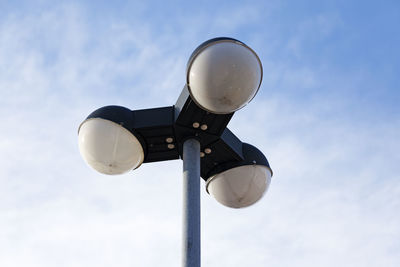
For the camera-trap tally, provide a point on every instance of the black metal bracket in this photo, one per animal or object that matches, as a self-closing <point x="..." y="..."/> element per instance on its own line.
<point x="162" y="132"/>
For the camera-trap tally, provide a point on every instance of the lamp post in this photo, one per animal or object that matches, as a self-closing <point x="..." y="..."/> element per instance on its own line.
<point x="223" y="75"/>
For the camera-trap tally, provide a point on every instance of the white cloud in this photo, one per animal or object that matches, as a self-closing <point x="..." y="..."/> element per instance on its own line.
<point x="333" y="199"/>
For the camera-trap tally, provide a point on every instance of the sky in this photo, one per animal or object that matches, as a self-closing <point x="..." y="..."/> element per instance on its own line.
<point x="326" y="116"/>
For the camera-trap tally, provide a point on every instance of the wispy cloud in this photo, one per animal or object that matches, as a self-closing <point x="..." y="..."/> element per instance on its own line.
<point x="334" y="196"/>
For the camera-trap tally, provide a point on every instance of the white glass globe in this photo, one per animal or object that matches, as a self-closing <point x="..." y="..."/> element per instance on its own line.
<point x="224" y="76"/>
<point x="240" y="186"/>
<point x="108" y="147"/>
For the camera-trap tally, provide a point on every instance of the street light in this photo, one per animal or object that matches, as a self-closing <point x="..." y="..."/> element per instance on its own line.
<point x="223" y="75"/>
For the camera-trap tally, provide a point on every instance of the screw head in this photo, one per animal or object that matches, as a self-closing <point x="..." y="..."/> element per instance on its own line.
<point x="171" y="146"/>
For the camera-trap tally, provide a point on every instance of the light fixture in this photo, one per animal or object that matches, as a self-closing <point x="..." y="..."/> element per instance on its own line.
<point x="223" y="75"/>
<point x="240" y="187"/>
<point x="106" y="145"/>
<point x="241" y="184"/>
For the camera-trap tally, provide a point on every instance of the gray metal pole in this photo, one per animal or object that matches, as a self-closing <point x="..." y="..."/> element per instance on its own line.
<point x="191" y="203"/>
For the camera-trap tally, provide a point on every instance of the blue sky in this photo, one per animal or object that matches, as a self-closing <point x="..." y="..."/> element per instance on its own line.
<point x="327" y="117"/>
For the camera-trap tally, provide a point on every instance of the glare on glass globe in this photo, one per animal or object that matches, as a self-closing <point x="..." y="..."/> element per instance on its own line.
<point x="224" y="76"/>
<point x="240" y="186"/>
<point x="108" y="147"/>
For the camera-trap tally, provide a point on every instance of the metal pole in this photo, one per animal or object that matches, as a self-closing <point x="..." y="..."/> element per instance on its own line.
<point x="191" y="203"/>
